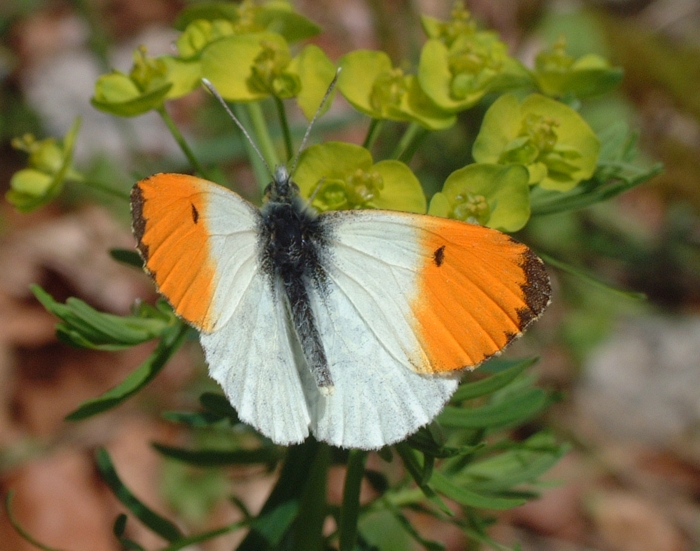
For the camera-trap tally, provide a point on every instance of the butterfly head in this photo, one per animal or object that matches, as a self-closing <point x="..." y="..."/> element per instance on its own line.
<point x="281" y="189"/>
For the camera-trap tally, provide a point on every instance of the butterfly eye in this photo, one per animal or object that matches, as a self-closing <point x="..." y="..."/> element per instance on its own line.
<point x="267" y="192"/>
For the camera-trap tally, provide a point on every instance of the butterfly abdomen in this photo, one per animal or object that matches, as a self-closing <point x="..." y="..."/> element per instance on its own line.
<point x="292" y="242"/>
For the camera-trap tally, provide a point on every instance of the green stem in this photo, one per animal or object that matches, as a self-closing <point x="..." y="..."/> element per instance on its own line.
<point x="308" y="527"/>
<point x="375" y="128"/>
<point x="282" y="113"/>
<point x="288" y="490"/>
<point x="350" y="510"/>
<point x="254" y="114"/>
<point x="180" y="139"/>
<point x="409" y="142"/>
<point x="260" y="166"/>
<point x="262" y="133"/>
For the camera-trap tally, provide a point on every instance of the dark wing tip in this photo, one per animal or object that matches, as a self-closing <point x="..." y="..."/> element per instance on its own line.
<point x="537" y="289"/>
<point x="138" y="222"/>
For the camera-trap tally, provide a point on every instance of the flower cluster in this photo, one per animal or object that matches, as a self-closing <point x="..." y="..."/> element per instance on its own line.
<point x="247" y="51"/>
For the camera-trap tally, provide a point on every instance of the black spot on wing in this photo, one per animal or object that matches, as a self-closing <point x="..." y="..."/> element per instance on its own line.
<point x="439" y="256"/>
<point x="195" y="213"/>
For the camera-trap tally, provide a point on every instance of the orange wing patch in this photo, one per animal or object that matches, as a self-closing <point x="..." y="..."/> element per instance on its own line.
<point x="478" y="290"/>
<point x="167" y="212"/>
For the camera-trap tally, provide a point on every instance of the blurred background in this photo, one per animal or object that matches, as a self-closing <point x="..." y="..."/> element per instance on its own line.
<point x="628" y="370"/>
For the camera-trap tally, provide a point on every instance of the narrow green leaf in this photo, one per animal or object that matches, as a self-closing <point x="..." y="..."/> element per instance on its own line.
<point x="409" y="528"/>
<point x="522" y="464"/>
<point x="441" y="452"/>
<point x="118" y="530"/>
<point x="127" y="256"/>
<point x="18" y="527"/>
<point x="430" y="440"/>
<point x="192" y="419"/>
<point x="204" y="536"/>
<point x="119" y="525"/>
<point x="378" y="481"/>
<point x="130" y="545"/>
<point x="446" y="487"/>
<point x="268" y="455"/>
<point x="137" y="379"/>
<point x="588" y="193"/>
<point x="218" y="404"/>
<point x="238" y="503"/>
<point x="110" y="329"/>
<point x="428" y="465"/>
<point x="588" y="278"/>
<point x="480" y="536"/>
<point x="350" y="510"/>
<point x="147" y="516"/>
<point x="83" y="326"/>
<point x="518" y="408"/>
<point x="469" y="391"/>
<point x="416" y="472"/>
<point x="275" y="524"/>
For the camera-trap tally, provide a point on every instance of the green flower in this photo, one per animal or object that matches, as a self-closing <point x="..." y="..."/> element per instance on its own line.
<point x="265" y="67"/>
<point x="343" y="176"/>
<point x="558" y="74"/>
<point x="143" y="89"/>
<point x="49" y="165"/>
<point x="551" y="139"/>
<point x="206" y="23"/>
<point x="459" y="24"/>
<point x="458" y="75"/>
<point x="374" y="87"/>
<point x="200" y="33"/>
<point x="276" y="16"/>
<point x="492" y="195"/>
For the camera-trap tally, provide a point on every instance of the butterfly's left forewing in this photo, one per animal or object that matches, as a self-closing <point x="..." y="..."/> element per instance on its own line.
<point x="183" y="224"/>
<point x="200" y="244"/>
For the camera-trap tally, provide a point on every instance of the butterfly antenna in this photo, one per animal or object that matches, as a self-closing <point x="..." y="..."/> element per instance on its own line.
<point x="331" y="86"/>
<point x="223" y="103"/>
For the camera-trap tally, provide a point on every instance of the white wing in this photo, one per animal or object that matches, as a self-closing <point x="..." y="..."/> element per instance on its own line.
<point x="252" y="358"/>
<point x="410" y="301"/>
<point x="250" y="353"/>
<point x="364" y="318"/>
<point x="199" y="241"/>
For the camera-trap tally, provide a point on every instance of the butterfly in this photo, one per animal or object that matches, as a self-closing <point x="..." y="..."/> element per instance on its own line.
<point x="352" y="325"/>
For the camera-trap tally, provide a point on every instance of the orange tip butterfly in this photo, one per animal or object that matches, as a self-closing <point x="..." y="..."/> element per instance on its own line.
<point x="354" y="325"/>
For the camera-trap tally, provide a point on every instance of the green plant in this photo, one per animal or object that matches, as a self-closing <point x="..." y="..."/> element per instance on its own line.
<point x="534" y="155"/>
